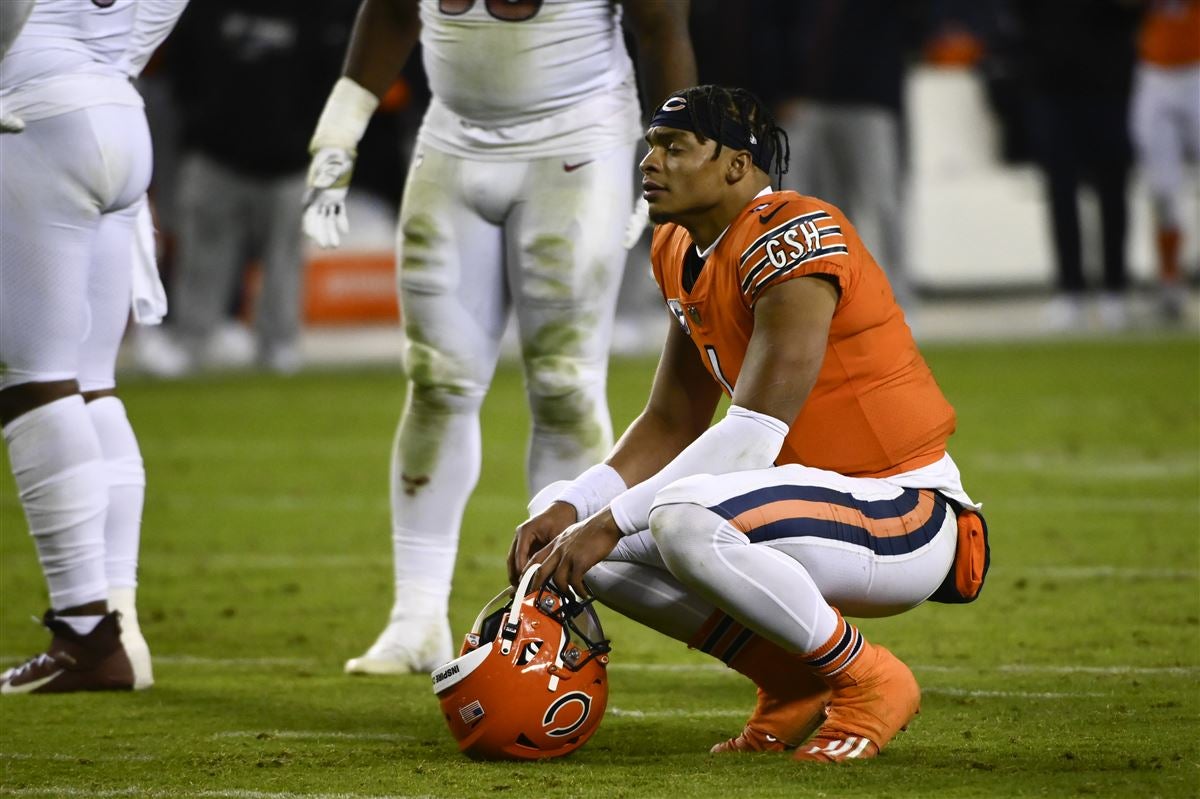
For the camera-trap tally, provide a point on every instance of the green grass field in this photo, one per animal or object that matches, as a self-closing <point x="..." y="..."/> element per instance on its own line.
<point x="266" y="562"/>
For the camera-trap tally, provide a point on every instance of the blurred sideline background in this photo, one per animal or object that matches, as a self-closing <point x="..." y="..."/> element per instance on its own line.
<point x="978" y="233"/>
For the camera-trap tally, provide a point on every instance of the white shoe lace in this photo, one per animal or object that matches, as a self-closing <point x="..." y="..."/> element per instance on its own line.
<point x="28" y="665"/>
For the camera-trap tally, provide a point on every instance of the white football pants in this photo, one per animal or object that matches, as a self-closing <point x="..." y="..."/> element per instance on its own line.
<point x="478" y="239"/>
<point x="69" y="197"/>
<point x="67" y="210"/>
<point x="775" y="549"/>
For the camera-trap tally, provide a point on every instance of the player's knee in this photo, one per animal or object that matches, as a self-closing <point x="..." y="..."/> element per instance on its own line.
<point x="681" y="531"/>
<point x="694" y="489"/>
<point x="566" y="393"/>
<point x="441" y="382"/>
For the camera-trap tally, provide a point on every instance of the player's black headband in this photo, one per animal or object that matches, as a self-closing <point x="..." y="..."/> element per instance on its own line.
<point x="674" y="113"/>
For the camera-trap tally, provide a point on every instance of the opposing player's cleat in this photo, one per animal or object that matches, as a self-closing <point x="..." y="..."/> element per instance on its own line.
<point x="780" y="725"/>
<point x="870" y="704"/>
<point x="408" y="645"/>
<point x="74" y="662"/>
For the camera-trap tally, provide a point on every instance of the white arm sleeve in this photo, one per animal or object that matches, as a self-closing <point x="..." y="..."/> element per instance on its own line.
<point x="743" y="440"/>
<point x="154" y="22"/>
<point x="13" y="14"/>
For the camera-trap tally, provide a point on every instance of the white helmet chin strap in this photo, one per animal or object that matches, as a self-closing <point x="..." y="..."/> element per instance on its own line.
<point x="509" y="633"/>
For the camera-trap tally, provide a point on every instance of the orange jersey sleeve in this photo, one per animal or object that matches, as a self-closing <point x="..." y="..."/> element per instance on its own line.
<point x="1170" y="35"/>
<point x="875" y="409"/>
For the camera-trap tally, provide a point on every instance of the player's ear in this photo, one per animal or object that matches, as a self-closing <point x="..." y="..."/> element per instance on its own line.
<point x="739" y="166"/>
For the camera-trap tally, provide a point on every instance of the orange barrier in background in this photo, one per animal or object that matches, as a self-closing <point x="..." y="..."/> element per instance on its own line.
<point x="351" y="288"/>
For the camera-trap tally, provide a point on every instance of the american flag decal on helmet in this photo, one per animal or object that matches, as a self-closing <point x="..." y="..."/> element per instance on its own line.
<point x="471" y="713"/>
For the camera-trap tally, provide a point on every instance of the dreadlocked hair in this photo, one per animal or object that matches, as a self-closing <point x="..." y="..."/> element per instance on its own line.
<point x="715" y="104"/>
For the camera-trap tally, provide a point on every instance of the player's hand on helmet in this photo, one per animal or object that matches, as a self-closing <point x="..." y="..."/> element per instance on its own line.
<point x="10" y="123"/>
<point x="534" y="534"/>
<point x="325" y="198"/>
<point x="570" y="556"/>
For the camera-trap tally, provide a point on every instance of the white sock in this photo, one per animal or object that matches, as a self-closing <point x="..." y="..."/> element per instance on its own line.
<point x="435" y="463"/>
<point x="56" y="462"/>
<point x="125" y="601"/>
<point x="126" y="489"/>
<point x="81" y="624"/>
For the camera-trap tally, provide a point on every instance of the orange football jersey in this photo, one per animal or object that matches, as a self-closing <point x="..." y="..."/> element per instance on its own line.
<point x="1170" y="34"/>
<point x="875" y="409"/>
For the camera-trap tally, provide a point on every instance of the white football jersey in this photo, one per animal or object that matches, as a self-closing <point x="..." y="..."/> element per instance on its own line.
<point x="77" y="53"/>
<point x="527" y="77"/>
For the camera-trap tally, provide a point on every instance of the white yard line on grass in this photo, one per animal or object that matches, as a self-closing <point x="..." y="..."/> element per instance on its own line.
<point x="1099" y="572"/>
<point x="711" y="668"/>
<point x="313" y="735"/>
<point x="675" y="713"/>
<point x="671" y="713"/>
<point x="1011" y="694"/>
<point x="1174" y="671"/>
<point x="135" y="792"/>
<point x="76" y="758"/>
<point x="1041" y="503"/>
<point x="1009" y="667"/>
<point x="197" y="660"/>
<point x="1117" y="466"/>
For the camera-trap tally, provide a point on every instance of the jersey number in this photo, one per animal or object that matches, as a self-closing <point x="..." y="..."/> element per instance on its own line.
<point x="715" y="362"/>
<point x="506" y="10"/>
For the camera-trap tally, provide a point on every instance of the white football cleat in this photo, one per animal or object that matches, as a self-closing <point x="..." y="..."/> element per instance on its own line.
<point x="408" y="645"/>
<point x="139" y="657"/>
<point x="123" y="600"/>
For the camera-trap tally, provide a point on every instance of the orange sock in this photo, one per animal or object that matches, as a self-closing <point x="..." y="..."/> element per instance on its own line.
<point x="874" y="697"/>
<point x="834" y="659"/>
<point x="769" y="665"/>
<point x="791" y="697"/>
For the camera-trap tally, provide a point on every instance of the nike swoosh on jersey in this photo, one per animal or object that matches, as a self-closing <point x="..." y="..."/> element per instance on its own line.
<point x="573" y="167"/>
<point x="765" y="218"/>
<point x="28" y="687"/>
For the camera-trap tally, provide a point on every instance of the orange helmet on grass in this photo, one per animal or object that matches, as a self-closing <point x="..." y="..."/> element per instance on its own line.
<point x="531" y="681"/>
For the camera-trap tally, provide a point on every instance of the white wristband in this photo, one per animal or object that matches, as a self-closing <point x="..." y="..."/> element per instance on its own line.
<point x="344" y="120"/>
<point x="744" y="439"/>
<point x="591" y="491"/>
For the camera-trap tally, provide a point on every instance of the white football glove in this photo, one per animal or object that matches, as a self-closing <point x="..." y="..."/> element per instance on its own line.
<point x="10" y="123"/>
<point x="637" y="223"/>
<point x="325" y="198"/>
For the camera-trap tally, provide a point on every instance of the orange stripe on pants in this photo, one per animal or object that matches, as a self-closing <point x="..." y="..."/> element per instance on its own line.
<point x="841" y="514"/>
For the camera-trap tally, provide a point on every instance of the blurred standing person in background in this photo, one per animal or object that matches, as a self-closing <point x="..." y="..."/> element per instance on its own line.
<point x="1078" y="63"/>
<point x="518" y="198"/>
<point x="74" y="184"/>
<point x="835" y="74"/>
<point x="1166" y="129"/>
<point x="248" y="76"/>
